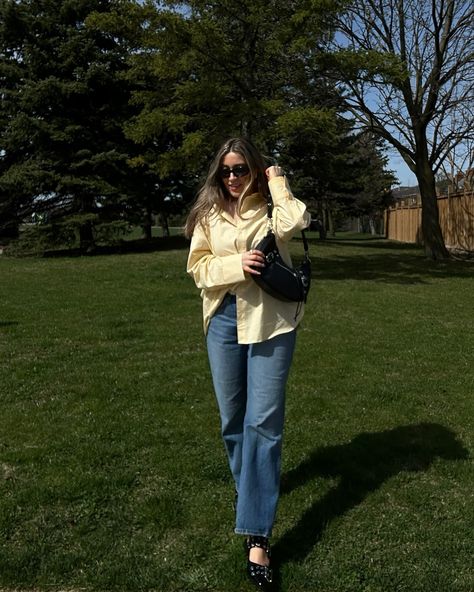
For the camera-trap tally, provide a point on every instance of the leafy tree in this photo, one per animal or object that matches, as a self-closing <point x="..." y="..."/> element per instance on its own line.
<point x="221" y="69"/>
<point x="408" y="69"/>
<point x="250" y="69"/>
<point x="112" y="108"/>
<point x="313" y="142"/>
<point x="338" y="172"/>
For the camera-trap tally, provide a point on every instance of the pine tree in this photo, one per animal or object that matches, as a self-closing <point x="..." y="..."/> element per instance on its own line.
<point x="64" y="156"/>
<point x="222" y="69"/>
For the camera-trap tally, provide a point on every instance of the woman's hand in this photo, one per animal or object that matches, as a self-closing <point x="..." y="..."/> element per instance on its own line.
<point x="274" y="171"/>
<point x="252" y="259"/>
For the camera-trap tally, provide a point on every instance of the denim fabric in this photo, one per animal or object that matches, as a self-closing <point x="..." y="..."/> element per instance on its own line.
<point x="249" y="382"/>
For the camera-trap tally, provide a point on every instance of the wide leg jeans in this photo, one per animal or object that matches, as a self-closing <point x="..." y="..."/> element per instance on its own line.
<point x="249" y="382"/>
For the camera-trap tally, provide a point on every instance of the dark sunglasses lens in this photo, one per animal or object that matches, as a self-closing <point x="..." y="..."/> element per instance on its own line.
<point x="239" y="171"/>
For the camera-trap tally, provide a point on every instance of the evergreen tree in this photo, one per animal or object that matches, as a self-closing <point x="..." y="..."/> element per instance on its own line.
<point x="64" y="156"/>
<point x="221" y="69"/>
<point x="366" y="182"/>
<point x="111" y="109"/>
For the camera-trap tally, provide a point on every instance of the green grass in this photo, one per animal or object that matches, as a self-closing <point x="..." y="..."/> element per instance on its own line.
<point x="112" y="471"/>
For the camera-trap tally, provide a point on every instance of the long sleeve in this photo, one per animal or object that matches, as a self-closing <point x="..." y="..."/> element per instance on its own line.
<point x="289" y="213"/>
<point x="208" y="270"/>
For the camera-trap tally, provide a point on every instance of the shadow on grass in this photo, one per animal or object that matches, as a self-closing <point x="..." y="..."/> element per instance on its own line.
<point x="169" y="243"/>
<point x="8" y="324"/>
<point x="362" y="466"/>
<point x="380" y="260"/>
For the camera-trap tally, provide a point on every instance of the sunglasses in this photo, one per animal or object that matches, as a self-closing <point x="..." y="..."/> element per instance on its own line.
<point x="239" y="170"/>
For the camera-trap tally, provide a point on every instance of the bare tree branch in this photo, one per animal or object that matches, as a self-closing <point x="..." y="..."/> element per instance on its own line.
<point x="435" y="46"/>
<point x="414" y="78"/>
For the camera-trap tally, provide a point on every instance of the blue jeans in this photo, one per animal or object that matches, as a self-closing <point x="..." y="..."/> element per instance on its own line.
<point x="249" y="381"/>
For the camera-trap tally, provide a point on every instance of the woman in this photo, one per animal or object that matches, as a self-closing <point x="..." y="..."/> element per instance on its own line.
<point x="250" y="335"/>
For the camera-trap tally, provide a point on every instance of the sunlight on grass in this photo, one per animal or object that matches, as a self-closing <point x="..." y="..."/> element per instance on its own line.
<point x="112" y="471"/>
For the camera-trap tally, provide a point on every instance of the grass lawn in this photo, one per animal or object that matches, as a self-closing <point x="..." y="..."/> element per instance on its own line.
<point x="112" y="472"/>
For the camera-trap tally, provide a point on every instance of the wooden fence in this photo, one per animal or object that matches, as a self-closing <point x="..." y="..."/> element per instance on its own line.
<point x="456" y="216"/>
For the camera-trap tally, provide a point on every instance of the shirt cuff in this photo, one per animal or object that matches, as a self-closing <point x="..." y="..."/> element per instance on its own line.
<point x="232" y="269"/>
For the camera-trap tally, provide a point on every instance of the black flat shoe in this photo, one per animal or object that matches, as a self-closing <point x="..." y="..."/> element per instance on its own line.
<point x="261" y="575"/>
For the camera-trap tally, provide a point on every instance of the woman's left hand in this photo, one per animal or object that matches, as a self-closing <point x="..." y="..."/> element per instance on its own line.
<point x="274" y="171"/>
<point x="252" y="259"/>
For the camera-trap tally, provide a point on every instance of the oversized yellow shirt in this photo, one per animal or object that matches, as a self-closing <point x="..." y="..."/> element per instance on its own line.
<point x="215" y="262"/>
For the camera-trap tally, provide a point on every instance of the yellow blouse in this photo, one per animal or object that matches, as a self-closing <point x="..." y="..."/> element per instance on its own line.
<point x="215" y="262"/>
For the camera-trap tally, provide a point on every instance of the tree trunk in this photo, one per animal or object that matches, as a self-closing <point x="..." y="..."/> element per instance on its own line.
<point x="147" y="228"/>
<point x="373" y="228"/>
<point x="321" y="221"/>
<point x="164" y="224"/>
<point x="86" y="229"/>
<point x="432" y="236"/>
<point x="147" y="225"/>
<point x="330" y="219"/>
<point x="9" y="230"/>
<point x="86" y="237"/>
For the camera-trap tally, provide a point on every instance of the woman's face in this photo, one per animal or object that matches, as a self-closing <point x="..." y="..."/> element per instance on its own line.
<point x="234" y="173"/>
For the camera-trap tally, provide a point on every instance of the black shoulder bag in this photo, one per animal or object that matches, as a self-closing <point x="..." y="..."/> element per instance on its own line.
<point x="277" y="278"/>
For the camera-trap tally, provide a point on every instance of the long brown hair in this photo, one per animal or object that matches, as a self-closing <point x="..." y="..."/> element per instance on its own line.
<point x="213" y="192"/>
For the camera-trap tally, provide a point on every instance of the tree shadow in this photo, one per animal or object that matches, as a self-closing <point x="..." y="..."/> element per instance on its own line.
<point x="371" y="243"/>
<point x="381" y="261"/>
<point x="124" y="247"/>
<point x="362" y="466"/>
<point x="8" y="324"/>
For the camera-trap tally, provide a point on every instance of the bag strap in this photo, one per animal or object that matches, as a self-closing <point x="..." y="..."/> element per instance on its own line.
<point x="270" y="219"/>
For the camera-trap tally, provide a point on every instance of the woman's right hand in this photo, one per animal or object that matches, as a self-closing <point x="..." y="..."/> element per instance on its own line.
<point x="274" y="171"/>
<point x="252" y="259"/>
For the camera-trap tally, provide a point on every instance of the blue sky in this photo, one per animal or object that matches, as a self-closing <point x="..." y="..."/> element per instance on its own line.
<point x="396" y="163"/>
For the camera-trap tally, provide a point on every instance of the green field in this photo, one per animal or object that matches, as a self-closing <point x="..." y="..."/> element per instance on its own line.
<point x="112" y="472"/>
